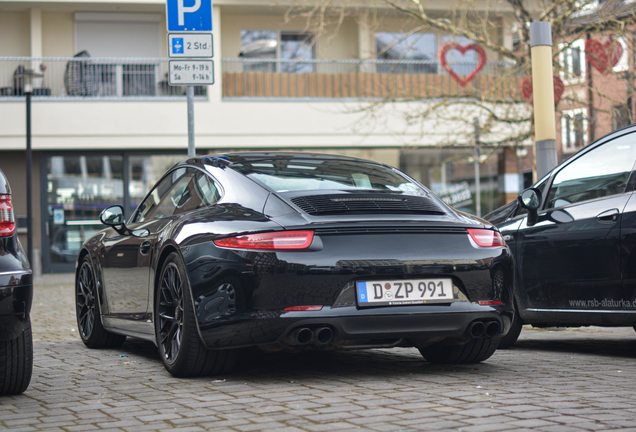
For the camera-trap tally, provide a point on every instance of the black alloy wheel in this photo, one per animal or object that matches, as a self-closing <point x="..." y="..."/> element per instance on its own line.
<point x="170" y="312"/>
<point x="88" y="313"/>
<point x="85" y="300"/>
<point x="181" y="349"/>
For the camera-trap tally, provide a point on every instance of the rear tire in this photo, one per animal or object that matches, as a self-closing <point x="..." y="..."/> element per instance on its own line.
<point x="88" y="312"/>
<point x="475" y="351"/>
<point x="16" y="363"/>
<point x="180" y="347"/>
<point x="513" y="334"/>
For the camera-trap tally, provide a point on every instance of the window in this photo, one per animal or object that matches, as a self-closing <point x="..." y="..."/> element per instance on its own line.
<point x="622" y="65"/>
<point x="272" y="45"/>
<point x="421" y="47"/>
<point x="116" y="35"/>
<point x="600" y="172"/>
<point x="165" y="197"/>
<point x="200" y="192"/>
<point x="296" y="46"/>
<point x="573" y="129"/>
<point x="291" y="174"/>
<point x="572" y="62"/>
<point x="622" y="115"/>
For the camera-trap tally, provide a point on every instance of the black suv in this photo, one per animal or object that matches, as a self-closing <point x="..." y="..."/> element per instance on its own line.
<point x="16" y="293"/>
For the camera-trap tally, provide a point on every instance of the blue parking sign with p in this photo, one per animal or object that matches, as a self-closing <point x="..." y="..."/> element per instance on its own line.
<point x="189" y="15"/>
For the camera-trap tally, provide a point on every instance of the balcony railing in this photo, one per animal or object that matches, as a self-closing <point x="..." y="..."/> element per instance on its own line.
<point x="90" y="77"/>
<point x="363" y="79"/>
<point x="94" y="78"/>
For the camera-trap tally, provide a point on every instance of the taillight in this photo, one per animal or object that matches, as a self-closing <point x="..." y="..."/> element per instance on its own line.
<point x="486" y="237"/>
<point x="7" y="220"/>
<point x="280" y="240"/>
<point x="302" y="308"/>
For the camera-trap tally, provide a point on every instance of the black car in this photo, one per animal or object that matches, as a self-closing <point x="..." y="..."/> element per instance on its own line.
<point x="573" y="236"/>
<point x="16" y="293"/>
<point x="292" y="251"/>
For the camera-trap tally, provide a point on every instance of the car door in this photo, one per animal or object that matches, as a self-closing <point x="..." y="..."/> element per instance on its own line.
<point x="128" y="256"/>
<point x="571" y="258"/>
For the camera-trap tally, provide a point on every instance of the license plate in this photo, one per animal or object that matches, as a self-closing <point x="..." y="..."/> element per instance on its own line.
<point x="404" y="292"/>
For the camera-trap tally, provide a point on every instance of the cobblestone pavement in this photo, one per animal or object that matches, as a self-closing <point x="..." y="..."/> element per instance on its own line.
<point x="569" y="380"/>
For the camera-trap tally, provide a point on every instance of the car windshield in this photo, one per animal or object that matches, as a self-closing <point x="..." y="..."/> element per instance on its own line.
<point x="295" y="174"/>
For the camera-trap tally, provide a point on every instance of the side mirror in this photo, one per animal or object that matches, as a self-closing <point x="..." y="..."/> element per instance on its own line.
<point x="530" y="199"/>
<point x="112" y="216"/>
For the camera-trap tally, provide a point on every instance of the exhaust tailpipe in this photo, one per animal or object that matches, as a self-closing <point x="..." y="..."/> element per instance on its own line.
<point x="300" y="336"/>
<point x="477" y="329"/>
<point x="493" y="329"/>
<point x="324" y="335"/>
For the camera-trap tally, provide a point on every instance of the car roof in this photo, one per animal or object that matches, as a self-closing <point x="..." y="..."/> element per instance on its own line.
<point x="241" y="157"/>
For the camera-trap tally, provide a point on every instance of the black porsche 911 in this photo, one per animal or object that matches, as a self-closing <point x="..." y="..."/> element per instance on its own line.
<point x="289" y="251"/>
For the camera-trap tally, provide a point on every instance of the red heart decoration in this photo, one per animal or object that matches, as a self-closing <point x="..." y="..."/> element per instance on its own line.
<point x="603" y="56"/>
<point x="526" y="89"/>
<point x="462" y="49"/>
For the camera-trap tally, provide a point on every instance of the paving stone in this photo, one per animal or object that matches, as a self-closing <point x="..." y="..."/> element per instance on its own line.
<point x="551" y="381"/>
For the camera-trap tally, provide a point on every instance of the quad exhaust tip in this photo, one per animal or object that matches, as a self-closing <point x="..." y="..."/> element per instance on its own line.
<point x="493" y="329"/>
<point x="301" y="336"/>
<point x="477" y="329"/>
<point x="305" y="335"/>
<point x="324" y="335"/>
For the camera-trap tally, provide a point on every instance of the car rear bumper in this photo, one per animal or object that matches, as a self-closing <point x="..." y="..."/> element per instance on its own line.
<point x="353" y="326"/>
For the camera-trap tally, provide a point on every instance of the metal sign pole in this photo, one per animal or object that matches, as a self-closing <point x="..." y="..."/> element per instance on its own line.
<point x="28" y="91"/>
<point x="477" y="155"/>
<point x="190" y="96"/>
<point x="190" y="39"/>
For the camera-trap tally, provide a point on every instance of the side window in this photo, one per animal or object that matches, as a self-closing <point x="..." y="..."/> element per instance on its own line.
<point x="163" y="199"/>
<point x="200" y="192"/>
<point x="601" y="172"/>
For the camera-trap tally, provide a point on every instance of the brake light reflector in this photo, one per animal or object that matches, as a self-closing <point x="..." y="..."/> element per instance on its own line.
<point x="490" y="302"/>
<point x="280" y="240"/>
<point x="302" y="308"/>
<point x="7" y="220"/>
<point x="486" y="237"/>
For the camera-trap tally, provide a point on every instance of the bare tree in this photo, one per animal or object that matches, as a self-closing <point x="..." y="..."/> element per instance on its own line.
<point x="494" y="97"/>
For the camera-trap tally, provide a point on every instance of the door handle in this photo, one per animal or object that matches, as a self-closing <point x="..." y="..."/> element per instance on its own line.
<point x="144" y="248"/>
<point x="609" y="216"/>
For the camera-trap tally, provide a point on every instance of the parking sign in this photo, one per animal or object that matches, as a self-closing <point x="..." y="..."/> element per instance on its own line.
<point x="189" y="15"/>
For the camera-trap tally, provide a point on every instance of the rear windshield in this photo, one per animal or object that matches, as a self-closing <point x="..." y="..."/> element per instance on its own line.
<point x="291" y="174"/>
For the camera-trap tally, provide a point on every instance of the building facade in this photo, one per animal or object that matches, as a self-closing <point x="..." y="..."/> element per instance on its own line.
<point x="106" y="124"/>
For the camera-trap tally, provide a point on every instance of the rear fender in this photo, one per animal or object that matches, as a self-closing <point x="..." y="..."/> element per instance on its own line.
<point x="221" y="282"/>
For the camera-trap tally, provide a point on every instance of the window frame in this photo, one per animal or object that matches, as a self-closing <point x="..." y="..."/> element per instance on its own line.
<point x="190" y="171"/>
<point x="566" y="61"/>
<point x="278" y="54"/>
<point x="568" y="140"/>
<point x="553" y="177"/>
